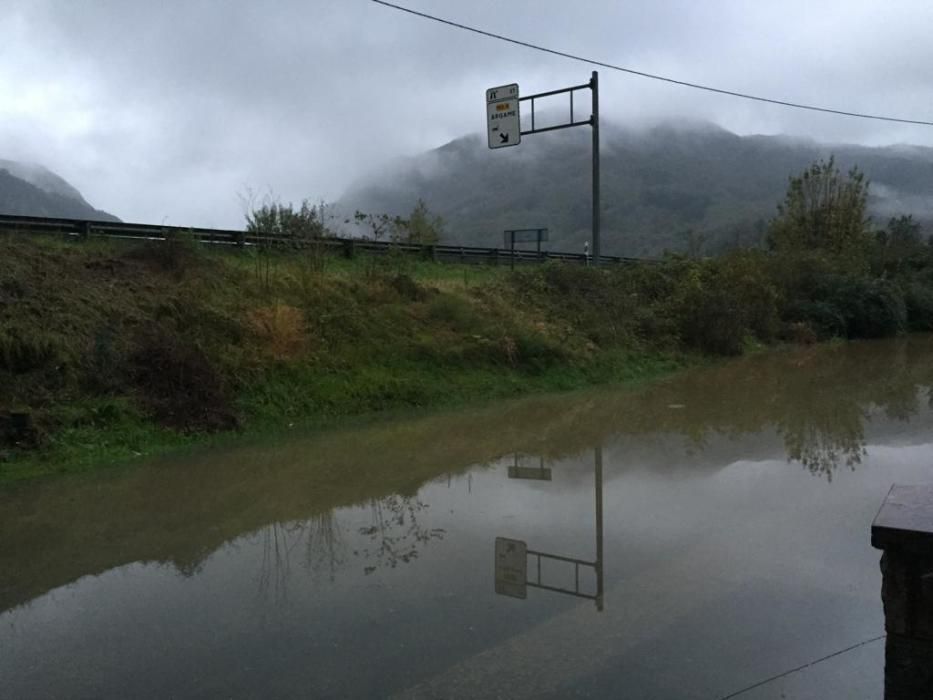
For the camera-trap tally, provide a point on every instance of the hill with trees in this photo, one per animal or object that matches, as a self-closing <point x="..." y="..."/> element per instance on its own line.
<point x="692" y="188"/>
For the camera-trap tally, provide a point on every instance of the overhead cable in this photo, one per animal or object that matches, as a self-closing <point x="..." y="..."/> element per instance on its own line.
<point x="653" y="76"/>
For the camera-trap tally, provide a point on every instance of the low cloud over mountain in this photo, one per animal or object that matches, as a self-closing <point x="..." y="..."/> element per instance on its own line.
<point x="27" y="189"/>
<point x="672" y="186"/>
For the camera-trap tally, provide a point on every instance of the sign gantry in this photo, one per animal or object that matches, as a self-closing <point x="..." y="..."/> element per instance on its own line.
<point x="503" y="122"/>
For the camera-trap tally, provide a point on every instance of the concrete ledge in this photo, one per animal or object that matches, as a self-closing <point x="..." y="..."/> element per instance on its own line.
<point x="905" y="521"/>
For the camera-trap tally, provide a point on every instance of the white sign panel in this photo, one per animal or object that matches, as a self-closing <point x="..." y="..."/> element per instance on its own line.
<point x="503" y="120"/>
<point x="511" y="567"/>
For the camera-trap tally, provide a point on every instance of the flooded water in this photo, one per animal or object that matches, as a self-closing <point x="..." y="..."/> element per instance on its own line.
<point x="688" y="539"/>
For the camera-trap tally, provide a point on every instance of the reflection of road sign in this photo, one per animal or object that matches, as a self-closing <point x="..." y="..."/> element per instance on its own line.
<point x="502" y="116"/>
<point x="511" y="567"/>
<point x="540" y="473"/>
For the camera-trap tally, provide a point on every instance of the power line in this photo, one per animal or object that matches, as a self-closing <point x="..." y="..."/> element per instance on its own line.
<point x="801" y="668"/>
<point x="652" y="76"/>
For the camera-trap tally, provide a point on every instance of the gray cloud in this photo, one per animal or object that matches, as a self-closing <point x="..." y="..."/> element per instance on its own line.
<point x="158" y="110"/>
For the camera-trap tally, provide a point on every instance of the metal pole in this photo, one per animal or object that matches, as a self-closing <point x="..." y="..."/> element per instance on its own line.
<point x="598" y="458"/>
<point x="512" y="254"/>
<point x="594" y="86"/>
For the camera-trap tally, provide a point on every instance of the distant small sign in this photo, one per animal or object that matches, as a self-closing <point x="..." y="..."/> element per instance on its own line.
<point x="525" y="235"/>
<point x="503" y="120"/>
<point x="511" y="567"/>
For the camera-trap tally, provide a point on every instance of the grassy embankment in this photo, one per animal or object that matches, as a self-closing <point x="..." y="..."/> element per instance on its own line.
<point x="116" y="350"/>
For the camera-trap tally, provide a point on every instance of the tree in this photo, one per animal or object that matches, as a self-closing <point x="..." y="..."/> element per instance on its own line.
<point x="381" y="224"/>
<point x="904" y="233"/>
<point x="822" y="211"/>
<point x="900" y="242"/>
<point x="272" y="218"/>
<point x="423" y="227"/>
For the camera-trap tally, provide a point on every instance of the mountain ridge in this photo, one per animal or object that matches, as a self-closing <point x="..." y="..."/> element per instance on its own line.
<point x="29" y="189"/>
<point x="666" y="186"/>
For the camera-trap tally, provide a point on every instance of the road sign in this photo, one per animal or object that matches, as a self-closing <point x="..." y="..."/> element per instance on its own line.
<point x="525" y="235"/>
<point x="503" y="120"/>
<point x="511" y="567"/>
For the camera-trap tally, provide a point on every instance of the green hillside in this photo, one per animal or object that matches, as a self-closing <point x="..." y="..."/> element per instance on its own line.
<point x="686" y="188"/>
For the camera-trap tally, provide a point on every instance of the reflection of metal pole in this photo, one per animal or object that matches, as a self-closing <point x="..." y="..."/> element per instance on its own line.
<point x="598" y="468"/>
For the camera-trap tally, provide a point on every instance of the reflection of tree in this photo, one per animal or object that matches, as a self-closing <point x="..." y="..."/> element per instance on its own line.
<point x="817" y="400"/>
<point x="278" y="541"/>
<point x="821" y="448"/>
<point x="324" y="548"/>
<point x="394" y="536"/>
<point x="320" y="537"/>
<point x="394" y="533"/>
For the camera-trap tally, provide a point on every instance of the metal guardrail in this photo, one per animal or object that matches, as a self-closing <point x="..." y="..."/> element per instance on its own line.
<point x="349" y="247"/>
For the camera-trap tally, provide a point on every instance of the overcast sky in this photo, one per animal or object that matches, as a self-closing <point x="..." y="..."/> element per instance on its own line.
<point x="167" y="110"/>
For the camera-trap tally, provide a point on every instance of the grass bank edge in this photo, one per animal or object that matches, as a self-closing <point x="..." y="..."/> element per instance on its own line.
<point x="132" y="439"/>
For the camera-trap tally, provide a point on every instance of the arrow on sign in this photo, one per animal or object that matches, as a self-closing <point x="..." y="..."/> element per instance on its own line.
<point x="503" y="138"/>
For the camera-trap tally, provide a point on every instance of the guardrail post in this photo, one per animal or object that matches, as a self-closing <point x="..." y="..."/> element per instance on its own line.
<point x="349" y="249"/>
<point x="84" y="232"/>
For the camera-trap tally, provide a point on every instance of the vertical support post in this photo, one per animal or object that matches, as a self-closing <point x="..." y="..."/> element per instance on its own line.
<point x="512" y="251"/>
<point x="539" y="235"/>
<point x="598" y="476"/>
<point x="594" y="120"/>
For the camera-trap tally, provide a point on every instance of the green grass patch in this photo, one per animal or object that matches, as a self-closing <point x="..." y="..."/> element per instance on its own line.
<point x="119" y="350"/>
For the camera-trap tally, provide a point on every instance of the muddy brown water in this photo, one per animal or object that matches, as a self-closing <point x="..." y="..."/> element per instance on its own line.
<point x="685" y="539"/>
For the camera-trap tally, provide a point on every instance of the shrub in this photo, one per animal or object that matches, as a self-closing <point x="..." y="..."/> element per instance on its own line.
<point x="23" y="351"/>
<point x="407" y="288"/>
<point x="273" y="218"/>
<point x="870" y="308"/>
<point x="281" y="328"/>
<point x="178" y="385"/>
<point x="817" y="292"/>
<point x="455" y="311"/>
<point x="174" y="254"/>
<point x="824" y="319"/>
<point x="533" y="350"/>
<point x="720" y="303"/>
<point x="918" y="300"/>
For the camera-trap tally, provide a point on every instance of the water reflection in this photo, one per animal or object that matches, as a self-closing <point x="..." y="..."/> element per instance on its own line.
<point x="511" y="574"/>
<point x="523" y="471"/>
<point x="323" y="544"/>
<point x="395" y="534"/>
<point x="819" y="407"/>
<point x="710" y="536"/>
<point x="318" y="540"/>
